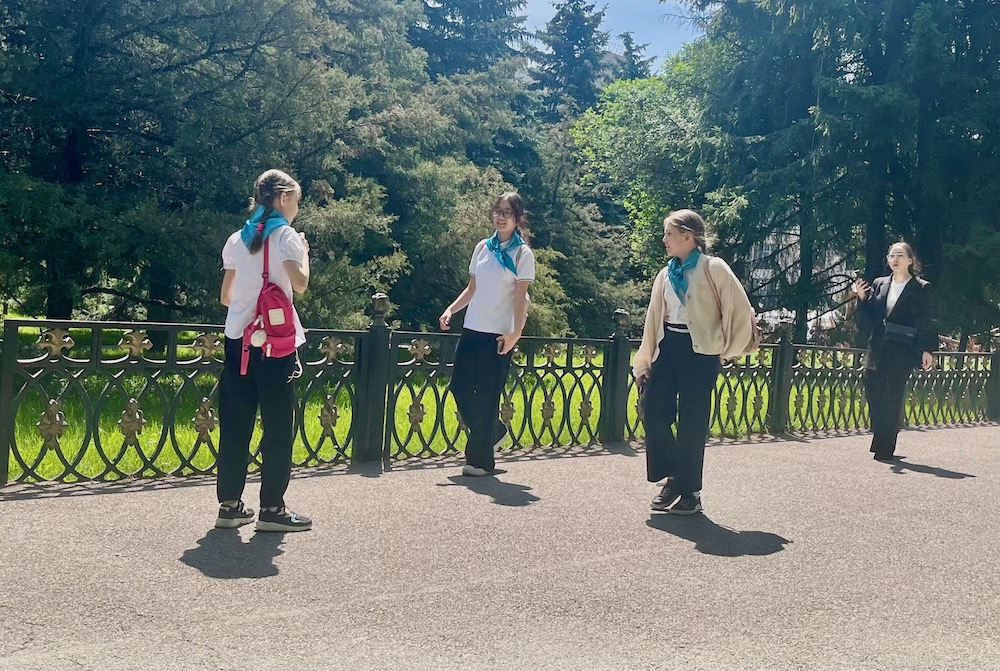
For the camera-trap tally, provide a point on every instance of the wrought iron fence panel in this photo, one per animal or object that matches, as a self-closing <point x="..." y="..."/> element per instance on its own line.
<point x="740" y="397"/>
<point x="953" y="391"/>
<point x="421" y="417"/>
<point x="739" y="400"/>
<point x="98" y="401"/>
<point x="327" y="395"/>
<point x="827" y="390"/>
<point x="559" y="380"/>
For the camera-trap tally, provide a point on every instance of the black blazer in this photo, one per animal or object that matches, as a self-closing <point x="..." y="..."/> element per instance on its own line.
<point x="913" y="308"/>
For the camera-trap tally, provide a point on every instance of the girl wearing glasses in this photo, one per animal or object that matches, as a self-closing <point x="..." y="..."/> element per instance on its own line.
<point x="500" y="271"/>
<point x="897" y="307"/>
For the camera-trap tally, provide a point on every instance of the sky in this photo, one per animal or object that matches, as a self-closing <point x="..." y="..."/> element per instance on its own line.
<point x="649" y="21"/>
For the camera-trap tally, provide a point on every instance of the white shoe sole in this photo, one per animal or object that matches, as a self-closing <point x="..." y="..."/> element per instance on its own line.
<point x="275" y="526"/>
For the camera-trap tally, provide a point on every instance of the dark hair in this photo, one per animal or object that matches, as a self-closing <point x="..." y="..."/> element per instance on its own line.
<point x="270" y="184"/>
<point x="915" y="266"/>
<point x="690" y="221"/>
<point x="516" y="203"/>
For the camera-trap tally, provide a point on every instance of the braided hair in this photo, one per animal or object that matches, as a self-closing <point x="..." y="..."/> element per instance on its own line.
<point x="268" y="186"/>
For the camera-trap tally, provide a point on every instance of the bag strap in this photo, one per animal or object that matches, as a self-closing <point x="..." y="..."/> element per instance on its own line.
<point x="264" y="275"/>
<point x="711" y="282"/>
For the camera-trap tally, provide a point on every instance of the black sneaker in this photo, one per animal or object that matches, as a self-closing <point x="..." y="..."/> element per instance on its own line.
<point x="666" y="497"/>
<point x="688" y="505"/>
<point x="282" y="520"/>
<point x="503" y="433"/>
<point x="233" y="515"/>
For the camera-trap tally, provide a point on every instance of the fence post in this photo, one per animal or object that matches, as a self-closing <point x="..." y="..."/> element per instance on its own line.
<point x="373" y="385"/>
<point x="781" y="384"/>
<point x="8" y="361"/>
<point x="614" y="404"/>
<point x="993" y="384"/>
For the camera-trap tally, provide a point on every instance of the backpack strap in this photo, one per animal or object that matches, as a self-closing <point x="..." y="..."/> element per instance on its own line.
<point x="245" y="353"/>
<point x="264" y="275"/>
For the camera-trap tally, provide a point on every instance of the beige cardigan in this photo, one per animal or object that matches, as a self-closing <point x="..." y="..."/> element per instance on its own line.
<point x="723" y="330"/>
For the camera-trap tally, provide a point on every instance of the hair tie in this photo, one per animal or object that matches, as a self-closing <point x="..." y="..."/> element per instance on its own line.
<point x="260" y="227"/>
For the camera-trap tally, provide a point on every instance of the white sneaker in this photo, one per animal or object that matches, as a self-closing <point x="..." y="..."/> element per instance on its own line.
<point x="474" y="471"/>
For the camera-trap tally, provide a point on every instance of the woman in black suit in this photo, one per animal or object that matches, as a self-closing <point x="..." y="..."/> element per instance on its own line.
<point x="902" y="337"/>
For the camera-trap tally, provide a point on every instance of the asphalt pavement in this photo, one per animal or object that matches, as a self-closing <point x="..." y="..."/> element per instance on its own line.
<point x="809" y="555"/>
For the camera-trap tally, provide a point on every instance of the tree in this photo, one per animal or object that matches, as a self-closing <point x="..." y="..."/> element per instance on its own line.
<point x="569" y="64"/>
<point x="633" y="65"/>
<point x="461" y="36"/>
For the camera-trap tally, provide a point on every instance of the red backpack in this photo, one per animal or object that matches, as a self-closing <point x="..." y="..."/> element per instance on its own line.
<point x="273" y="325"/>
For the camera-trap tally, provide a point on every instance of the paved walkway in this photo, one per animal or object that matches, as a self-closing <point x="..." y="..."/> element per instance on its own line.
<point x="810" y="556"/>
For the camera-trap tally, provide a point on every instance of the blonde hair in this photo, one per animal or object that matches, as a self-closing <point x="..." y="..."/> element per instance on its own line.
<point x="690" y="221"/>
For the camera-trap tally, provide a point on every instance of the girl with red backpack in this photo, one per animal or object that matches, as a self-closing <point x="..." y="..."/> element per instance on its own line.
<point x="261" y="360"/>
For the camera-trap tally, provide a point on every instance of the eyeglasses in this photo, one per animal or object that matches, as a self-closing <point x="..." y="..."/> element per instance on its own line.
<point x="506" y="214"/>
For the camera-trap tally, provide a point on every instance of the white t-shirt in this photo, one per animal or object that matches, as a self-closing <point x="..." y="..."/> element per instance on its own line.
<point x="492" y="306"/>
<point x="895" y="289"/>
<point x="284" y="244"/>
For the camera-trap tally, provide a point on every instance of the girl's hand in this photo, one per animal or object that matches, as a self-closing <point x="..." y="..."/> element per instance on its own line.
<point x="444" y="321"/>
<point x="507" y="341"/>
<point x="861" y="288"/>
<point x="926" y="360"/>
<point x="641" y="381"/>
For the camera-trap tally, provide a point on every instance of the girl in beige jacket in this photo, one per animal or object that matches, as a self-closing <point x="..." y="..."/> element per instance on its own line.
<point x="698" y="316"/>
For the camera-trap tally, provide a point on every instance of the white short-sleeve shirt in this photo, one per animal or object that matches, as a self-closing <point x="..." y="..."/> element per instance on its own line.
<point x="675" y="312"/>
<point x="284" y="245"/>
<point x="492" y="306"/>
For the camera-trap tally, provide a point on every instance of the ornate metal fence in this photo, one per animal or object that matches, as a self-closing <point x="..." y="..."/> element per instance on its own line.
<point x="100" y="400"/>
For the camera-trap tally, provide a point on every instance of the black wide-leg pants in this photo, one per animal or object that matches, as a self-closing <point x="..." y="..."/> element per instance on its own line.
<point x="678" y="398"/>
<point x="477" y="381"/>
<point x="885" y="388"/>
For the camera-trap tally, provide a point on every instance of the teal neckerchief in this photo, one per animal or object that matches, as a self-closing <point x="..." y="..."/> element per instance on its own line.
<point x="675" y="271"/>
<point x="502" y="254"/>
<point x="273" y="223"/>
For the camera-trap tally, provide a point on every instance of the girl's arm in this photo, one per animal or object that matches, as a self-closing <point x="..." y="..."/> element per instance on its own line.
<point x="298" y="273"/>
<point x="508" y="340"/>
<point x="226" y="293"/>
<point x="460" y="303"/>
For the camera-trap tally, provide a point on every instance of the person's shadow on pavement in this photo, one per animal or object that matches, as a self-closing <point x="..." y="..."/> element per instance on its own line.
<point x="221" y="553"/>
<point x="900" y="468"/>
<point x="502" y="493"/>
<point x="712" y="539"/>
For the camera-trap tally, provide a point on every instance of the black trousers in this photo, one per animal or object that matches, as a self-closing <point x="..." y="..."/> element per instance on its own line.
<point x="267" y="386"/>
<point x="477" y="381"/>
<point x="885" y="387"/>
<point x="678" y="394"/>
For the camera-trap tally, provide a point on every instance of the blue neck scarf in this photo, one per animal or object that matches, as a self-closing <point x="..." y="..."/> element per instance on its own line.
<point x="273" y="223"/>
<point x="675" y="271"/>
<point x="502" y="254"/>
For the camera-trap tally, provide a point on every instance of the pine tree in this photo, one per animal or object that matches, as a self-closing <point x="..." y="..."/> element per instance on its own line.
<point x="468" y="35"/>
<point x="570" y="62"/>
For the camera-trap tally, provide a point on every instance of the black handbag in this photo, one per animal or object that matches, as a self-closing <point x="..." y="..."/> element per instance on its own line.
<point x="899" y="333"/>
